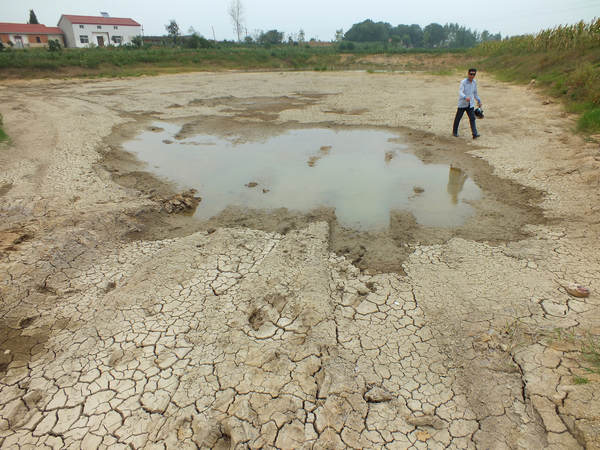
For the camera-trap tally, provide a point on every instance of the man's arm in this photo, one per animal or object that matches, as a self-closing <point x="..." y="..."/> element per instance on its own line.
<point x="476" y="95"/>
<point x="461" y="91"/>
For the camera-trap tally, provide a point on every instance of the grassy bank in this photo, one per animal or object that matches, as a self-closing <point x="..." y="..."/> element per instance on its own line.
<point x="565" y="61"/>
<point x="31" y="59"/>
<point x="123" y="61"/>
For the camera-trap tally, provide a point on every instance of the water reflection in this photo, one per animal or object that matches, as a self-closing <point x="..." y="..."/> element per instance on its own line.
<point x="456" y="181"/>
<point x="363" y="174"/>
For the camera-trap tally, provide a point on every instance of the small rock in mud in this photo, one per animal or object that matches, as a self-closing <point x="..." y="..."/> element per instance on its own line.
<point x="156" y="129"/>
<point x="167" y="141"/>
<point x="24" y="323"/>
<point x="426" y="421"/>
<point x="325" y="149"/>
<point x="378" y="395"/>
<point x="180" y="202"/>
<point x="266" y="190"/>
<point x="312" y="161"/>
<point x="252" y="184"/>
<point x="418" y="190"/>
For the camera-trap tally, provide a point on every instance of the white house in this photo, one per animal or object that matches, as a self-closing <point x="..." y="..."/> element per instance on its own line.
<point x="23" y="35"/>
<point x="81" y="31"/>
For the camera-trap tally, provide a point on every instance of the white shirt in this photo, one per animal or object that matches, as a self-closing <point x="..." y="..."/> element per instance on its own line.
<point x="467" y="89"/>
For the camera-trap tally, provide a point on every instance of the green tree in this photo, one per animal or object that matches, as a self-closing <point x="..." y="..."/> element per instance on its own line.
<point x="32" y="18"/>
<point x="434" y="35"/>
<point x="173" y="31"/>
<point x="401" y="35"/>
<point x="368" y="31"/>
<point x="301" y="36"/>
<point x="197" y="41"/>
<point x="459" y="37"/>
<point x="417" y="37"/>
<point x="272" y="37"/>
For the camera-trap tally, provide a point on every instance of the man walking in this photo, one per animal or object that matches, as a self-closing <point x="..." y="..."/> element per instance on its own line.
<point x="467" y="95"/>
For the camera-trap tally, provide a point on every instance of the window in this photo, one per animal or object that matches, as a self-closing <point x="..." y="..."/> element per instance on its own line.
<point x="83" y="39"/>
<point x="38" y="39"/>
<point x="99" y="27"/>
<point x="116" y="27"/>
<point x="117" y="39"/>
<point x="80" y="26"/>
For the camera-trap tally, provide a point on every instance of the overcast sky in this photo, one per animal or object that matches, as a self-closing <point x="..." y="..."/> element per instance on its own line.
<point x="318" y="18"/>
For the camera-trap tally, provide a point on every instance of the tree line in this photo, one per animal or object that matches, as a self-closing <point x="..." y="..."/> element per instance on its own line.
<point x="434" y="35"/>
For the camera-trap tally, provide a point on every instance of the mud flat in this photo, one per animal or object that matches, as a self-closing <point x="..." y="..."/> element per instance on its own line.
<point x="127" y="322"/>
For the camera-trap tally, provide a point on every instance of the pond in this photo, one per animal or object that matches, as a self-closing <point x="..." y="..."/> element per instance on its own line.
<point x="363" y="173"/>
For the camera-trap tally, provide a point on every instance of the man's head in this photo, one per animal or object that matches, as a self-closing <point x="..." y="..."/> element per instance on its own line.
<point x="472" y="73"/>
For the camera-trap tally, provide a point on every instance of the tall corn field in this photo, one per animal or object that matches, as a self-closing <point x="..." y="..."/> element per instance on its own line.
<point x="579" y="36"/>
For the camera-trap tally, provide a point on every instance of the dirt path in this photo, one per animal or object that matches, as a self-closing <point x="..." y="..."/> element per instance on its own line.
<point x="122" y="325"/>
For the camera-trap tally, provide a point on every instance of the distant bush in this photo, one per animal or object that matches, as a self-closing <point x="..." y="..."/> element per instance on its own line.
<point x="54" y="46"/>
<point x="137" y="41"/>
<point x="346" y="46"/>
<point x="197" y="41"/>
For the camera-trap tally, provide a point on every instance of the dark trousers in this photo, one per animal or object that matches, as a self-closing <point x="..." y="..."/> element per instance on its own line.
<point x="459" y="113"/>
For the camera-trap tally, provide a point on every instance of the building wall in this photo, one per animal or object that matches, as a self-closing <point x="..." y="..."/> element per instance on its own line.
<point x="67" y="28"/>
<point x="74" y="33"/>
<point x="31" y="40"/>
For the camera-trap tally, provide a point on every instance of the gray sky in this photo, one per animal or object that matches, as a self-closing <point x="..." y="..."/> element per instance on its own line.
<point x="318" y="18"/>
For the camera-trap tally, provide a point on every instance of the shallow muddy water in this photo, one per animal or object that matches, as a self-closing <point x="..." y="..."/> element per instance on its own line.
<point x="364" y="174"/>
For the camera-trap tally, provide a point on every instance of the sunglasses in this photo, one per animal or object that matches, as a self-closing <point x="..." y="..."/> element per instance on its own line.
<point x="472" y="73"/>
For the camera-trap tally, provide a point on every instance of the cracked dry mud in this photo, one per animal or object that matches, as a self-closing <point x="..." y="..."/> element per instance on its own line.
<point x="122" y="326"/>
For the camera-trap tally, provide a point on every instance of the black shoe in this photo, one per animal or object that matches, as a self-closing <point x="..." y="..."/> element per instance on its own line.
<point x="475" y="136"/>
<point x="455" y="134"/>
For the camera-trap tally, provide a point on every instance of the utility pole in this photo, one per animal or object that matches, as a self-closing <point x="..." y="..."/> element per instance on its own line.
<point x="214" y="37"/>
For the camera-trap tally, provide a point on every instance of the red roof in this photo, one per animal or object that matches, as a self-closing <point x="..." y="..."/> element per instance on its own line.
<point x="93" y="20"/>
<point x="25" y="28"/>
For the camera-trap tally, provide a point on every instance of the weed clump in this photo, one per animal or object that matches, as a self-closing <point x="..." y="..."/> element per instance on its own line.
<point x="3" y="135"/>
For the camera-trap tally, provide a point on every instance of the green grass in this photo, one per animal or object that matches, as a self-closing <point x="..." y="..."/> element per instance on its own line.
<point x="590" y="121"/>
<point x="591" y="353"/>
<point x="127" y="61"/>
<point x="587" y="348"/>
<point x="32" y="62"/>
<point x="3" y="135"/>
